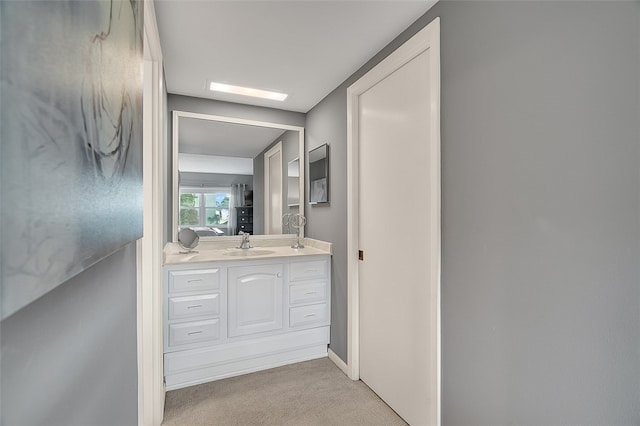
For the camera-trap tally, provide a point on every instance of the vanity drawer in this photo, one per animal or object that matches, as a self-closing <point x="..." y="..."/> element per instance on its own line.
<point x="308" y="270"/>
<point x="308" y="315"/>
<point x="208" y="279"/>
<point x="308" y="292"/>
<point x="194" y="306"/>
<point x="244" y="211"/>
<point x="244" y="219"/>
<point x="193" y="332"/>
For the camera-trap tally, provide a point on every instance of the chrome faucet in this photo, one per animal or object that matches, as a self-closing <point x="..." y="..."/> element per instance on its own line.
<point x="245" y="240"/>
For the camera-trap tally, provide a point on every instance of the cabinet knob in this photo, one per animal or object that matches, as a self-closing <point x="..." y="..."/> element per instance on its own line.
<point x="279" y="274"/>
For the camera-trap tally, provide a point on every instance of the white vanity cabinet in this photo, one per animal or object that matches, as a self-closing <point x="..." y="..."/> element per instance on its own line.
<point x="194" y="314"/>
<point x="227" y="318"/>
<point x="309" y="289"/>
<point x="255" y="299"/>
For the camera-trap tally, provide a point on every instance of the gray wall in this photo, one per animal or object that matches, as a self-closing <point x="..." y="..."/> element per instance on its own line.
<point x="226" y="109"/>
<point x="327" y="123"/>
<point x="69" y="358"/>
<point x="540" y="210"/>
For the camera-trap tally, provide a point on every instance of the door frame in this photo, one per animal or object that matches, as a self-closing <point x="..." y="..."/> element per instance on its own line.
<point x="274" y="150"/>
<point x="151" y="390"/>
<point x="427" y="38"/>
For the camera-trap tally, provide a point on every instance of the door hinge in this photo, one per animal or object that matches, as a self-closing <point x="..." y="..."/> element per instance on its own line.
<point x="360" y="255"/>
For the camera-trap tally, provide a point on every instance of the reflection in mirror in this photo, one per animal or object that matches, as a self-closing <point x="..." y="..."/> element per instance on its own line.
<point x="319" y="175"/>
<point x="219" y="173"/>
<point x="293" y="183"/>
<point x="188" y="239"/>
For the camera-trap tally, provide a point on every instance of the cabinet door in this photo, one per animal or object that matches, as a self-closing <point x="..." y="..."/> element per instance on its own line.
<point x="255" y="299"/>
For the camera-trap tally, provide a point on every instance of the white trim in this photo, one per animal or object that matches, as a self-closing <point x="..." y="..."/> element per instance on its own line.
<point x="184" y="114"/>
<point x="353" y="295"/>
<point x="427" y="38"/>
<point x="153" y="48"/>
<point x="274" y="150"/>
<point x="149" y="248"/>
<point x="338" y="362"/>
<point x="175" y="174"/>
<point x="301" y="184"/>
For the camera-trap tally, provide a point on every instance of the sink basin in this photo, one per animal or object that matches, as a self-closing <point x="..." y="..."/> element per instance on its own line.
<point x="247" y="252"/>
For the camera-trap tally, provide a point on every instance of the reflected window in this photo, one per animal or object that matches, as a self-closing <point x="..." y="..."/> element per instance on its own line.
<point x="204" y="207"/>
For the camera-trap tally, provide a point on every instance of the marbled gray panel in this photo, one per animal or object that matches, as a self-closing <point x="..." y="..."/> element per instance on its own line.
<point x="71" y="139"/>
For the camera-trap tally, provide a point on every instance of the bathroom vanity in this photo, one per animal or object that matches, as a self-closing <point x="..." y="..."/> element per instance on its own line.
<point x="229" y="311"/>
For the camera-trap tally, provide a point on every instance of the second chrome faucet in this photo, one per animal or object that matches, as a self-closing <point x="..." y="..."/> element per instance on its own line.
<point x="245" y="244"/>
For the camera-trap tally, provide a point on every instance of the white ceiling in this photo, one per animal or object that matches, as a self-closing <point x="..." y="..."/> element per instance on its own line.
<point x="303" y="48"/>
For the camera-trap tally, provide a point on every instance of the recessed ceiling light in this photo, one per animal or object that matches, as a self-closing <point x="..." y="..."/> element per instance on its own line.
<point x="247" y="91"/>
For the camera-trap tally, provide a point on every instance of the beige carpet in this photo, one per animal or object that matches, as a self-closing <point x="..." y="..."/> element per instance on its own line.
<point x="305" y="394"/>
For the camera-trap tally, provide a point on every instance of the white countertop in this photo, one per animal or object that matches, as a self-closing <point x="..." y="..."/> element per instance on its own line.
<point x="225" y="250"/>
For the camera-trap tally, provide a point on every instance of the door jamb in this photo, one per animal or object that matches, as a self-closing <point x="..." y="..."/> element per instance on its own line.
<point x="427" y="38"/>
<point x="151" y="390"/>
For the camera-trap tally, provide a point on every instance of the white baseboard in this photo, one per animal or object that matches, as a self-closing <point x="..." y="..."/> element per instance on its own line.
<point x="338" y="362"/>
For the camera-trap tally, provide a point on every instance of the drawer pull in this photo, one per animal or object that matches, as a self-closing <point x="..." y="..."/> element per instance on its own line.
<point x="194" y="306"/>
<point x="195" y="281"/>
<point x="310" y="315"/>
<point x="311" y="271"/>
<point x="311" y="292"/>
<point x="193" y="333"/>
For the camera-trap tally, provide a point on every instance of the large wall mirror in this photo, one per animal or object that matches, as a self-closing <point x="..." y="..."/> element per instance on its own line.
<point x="232" y="175"/>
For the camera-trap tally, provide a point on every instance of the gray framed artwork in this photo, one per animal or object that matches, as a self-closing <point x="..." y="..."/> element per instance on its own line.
<point x="71" y="140"/>
<point x="319" y="175"/>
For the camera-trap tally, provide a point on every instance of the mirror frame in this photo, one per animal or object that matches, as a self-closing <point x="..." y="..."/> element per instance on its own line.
<point x="232" y="120"/>
<point x="324" y="146"/>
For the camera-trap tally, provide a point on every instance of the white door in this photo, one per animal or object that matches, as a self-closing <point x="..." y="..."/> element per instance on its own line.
<point x="397" y="114"/>
<point x="273" y="192"/>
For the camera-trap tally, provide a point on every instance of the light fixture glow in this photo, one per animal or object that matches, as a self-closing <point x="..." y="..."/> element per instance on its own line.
<point x="246" y="91"/>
